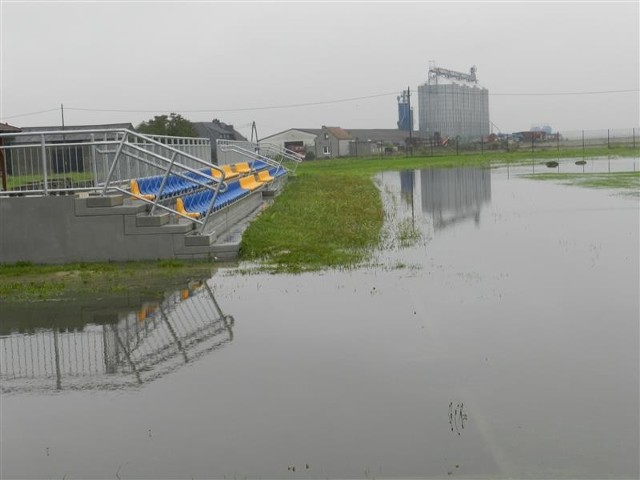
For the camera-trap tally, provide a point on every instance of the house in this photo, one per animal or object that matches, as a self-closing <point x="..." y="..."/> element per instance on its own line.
<point x="374" y="141"/>
<point x="215" y="130"/>
<point x="332" y="142"/>
<point x="328" y="142"/>
<point x="298" y="140"/>
<point x="325" y="142"/>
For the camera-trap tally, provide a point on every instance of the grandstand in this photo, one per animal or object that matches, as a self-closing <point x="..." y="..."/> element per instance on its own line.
<point x="137" y="197"/>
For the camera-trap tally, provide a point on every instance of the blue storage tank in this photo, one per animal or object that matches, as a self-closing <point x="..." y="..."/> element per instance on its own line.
<point x="405" y="115"/>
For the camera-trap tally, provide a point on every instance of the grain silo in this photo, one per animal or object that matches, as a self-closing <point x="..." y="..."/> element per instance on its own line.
<point x="452" y="104"/>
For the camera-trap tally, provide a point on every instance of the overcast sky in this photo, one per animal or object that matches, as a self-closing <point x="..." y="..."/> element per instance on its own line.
<point x="111" y="62"/>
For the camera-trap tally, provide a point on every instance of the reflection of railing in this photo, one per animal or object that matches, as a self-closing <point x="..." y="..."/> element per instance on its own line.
<point x="141" y="347"/>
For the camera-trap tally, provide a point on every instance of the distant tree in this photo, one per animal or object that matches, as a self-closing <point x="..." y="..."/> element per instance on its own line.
<point x="173" y="124"/>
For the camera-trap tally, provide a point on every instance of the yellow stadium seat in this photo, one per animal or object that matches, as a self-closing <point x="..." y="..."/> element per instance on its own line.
<point x="180" y="209"/>
<point x="264" y="176"/>
<point x="249" y="183"/>
<point x="135" y="191"/>
<point x="242" y="167"/>
<point x="229" y="172"/>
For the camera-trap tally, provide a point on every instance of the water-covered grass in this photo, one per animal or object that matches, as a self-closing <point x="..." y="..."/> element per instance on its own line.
<point x="25" y="282"/>
<point x="331" y="215"/>
<point x="627" y="182"/>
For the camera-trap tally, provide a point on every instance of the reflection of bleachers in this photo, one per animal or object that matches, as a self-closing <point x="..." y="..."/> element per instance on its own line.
<point x="144" y="345"/>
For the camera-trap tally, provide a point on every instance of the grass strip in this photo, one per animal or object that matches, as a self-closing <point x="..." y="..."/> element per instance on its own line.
<point x="629" y="182"/>
<point x="27" y="282"/>
<point x="319" y="221"/>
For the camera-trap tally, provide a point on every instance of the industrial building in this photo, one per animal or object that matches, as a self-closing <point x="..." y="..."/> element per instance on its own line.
<point x="452" y="104"/>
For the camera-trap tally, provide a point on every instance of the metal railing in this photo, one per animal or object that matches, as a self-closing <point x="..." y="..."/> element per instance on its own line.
<point x="103" y="161"/>
<point x="232" y="151"/>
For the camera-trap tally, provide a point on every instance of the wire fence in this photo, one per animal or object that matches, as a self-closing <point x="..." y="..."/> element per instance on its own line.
<point x="533" y="141"/>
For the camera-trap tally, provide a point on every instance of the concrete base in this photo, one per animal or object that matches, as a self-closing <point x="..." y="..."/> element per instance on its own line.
<point x="65" y="229"/>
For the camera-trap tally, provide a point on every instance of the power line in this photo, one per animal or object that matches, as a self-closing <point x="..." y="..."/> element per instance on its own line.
<point x="244" y="109"/>
<point x="307" y="104"/>
<point x="32" y="113"/>
<point x="564" y="93"/>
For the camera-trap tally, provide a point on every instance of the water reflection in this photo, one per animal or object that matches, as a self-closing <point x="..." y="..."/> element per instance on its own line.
<point x="457" y="417"/>
<point x="115" y="349"/>
<point x="449" y="195"/>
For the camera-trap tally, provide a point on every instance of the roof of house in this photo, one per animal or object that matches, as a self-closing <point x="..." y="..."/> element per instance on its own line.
<point x="216" y="129"/>
<point x="6" y="128"/>
<point x="391" y="135"/>
<point x="310" y="131"/>
<point x="339" y="133"/>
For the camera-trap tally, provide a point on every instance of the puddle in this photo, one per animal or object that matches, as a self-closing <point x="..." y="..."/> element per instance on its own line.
<point x="498" y="339"/>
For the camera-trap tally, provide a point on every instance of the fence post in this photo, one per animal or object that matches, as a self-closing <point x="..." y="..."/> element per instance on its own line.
<point x="94" y="160"/>
<point x="532" y="140"/>
<point x="634" y="137"/>
<point x="583" y="142"/>
<point x="43" y="152"/>
<point x="482" y="145"/>
<point x="608" y="138"/>
<point x="558" y="141"/>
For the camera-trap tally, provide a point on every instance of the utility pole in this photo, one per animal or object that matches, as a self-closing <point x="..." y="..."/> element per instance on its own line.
<point x="410" y="120"/>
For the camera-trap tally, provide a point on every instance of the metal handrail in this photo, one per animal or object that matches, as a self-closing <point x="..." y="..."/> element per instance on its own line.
<point x="171" y="163"/>
<point x="261" y="151"/>
<point x="167" y="159"/>
<point x="252" y="156"/>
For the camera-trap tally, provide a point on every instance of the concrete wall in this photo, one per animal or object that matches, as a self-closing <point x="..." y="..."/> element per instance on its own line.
<point x="63" y="229"/>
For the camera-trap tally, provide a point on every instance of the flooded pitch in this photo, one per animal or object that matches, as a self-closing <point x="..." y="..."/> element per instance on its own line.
<point x="496" y="336"/>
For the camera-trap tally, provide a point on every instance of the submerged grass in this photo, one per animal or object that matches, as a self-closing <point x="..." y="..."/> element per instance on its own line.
<point x="331" y="215"/>
<point x="27" y="282"/>
<point x="627" y="182"/>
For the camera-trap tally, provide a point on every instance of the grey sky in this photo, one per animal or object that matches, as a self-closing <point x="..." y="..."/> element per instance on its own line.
<point x="230" y="60"/>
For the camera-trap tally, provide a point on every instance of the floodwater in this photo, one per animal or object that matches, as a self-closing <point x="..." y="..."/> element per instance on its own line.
<point x="495" y="336"/>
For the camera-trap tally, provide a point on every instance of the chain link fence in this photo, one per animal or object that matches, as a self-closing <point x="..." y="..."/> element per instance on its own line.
<point x="533" y="141"/>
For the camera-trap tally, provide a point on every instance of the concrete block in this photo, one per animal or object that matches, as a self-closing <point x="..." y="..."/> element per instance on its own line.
<point x="104" y="201"/>
<point x="157" y="220"/>
<point x="81" y="208"/>
<point x="226" y="251"/>
<point x="200" y="240"/>
<point x="131" y="227"/>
